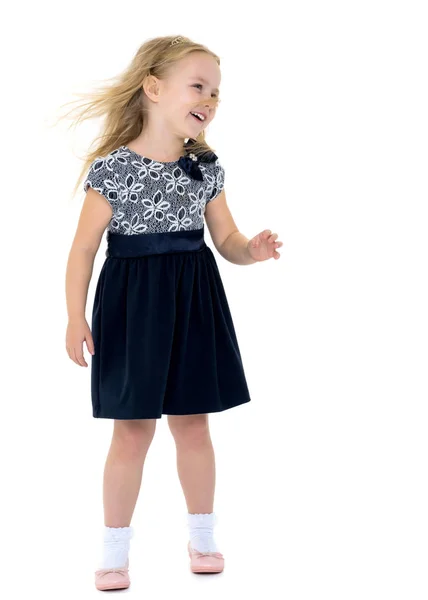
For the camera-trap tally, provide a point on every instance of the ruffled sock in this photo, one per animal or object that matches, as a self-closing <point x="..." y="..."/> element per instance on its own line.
<point x="201" y="527"/>
<point x="116" y="547"/>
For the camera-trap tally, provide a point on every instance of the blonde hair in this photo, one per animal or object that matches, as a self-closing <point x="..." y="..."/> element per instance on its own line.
<point x="121" y="103"/>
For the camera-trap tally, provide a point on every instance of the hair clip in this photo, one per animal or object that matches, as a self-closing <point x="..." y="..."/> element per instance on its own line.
<point x="177" y="40"/>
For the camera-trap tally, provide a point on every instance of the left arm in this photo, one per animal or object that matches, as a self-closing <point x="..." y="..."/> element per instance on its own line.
<point x="230" y="242"/>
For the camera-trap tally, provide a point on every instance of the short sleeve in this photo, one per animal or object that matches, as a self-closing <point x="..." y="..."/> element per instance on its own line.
<point x="216" y="180"/>
<point x="104" y="180"/>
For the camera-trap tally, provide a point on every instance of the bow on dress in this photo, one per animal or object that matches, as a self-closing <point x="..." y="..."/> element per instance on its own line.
<point x="189" y="163"/>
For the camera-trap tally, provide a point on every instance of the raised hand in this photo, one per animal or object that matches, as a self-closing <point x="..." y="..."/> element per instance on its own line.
<point x="263" y="246"/>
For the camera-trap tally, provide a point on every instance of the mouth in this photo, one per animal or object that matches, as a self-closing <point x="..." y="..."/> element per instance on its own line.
<point x="198" y="116"/>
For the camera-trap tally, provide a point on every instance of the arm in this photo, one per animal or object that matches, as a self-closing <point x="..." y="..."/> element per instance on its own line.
<point x="94" y="217"/>
<point x="227" y="238"/>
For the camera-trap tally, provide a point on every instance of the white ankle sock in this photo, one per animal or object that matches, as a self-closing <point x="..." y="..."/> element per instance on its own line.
<point x="201" y="527"/>
<point x="116" y="547"/>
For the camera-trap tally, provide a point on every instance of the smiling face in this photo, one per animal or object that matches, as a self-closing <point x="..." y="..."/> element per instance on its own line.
<point x="192" y="86"/>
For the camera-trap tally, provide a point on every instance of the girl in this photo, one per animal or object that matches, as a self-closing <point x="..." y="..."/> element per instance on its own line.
<point x="163" y="340"/>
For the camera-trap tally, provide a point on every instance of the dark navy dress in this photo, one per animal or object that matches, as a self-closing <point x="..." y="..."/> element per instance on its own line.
<point x="164" y="338"/>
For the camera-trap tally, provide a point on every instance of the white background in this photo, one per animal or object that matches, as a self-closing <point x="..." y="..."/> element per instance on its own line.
<point x="321" y="479"/>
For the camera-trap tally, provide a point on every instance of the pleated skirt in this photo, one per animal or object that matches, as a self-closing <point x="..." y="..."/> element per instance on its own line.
<point x="163" y="333"/>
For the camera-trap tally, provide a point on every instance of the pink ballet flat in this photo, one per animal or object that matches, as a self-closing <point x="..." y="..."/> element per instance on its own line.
<point x="112" y="579"/>
<point x="205" y="562"/>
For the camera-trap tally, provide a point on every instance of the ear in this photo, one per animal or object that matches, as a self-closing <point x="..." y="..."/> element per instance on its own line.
<point x="151" y="87"/>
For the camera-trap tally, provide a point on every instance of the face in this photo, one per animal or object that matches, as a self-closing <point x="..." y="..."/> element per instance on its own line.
<point x="193" y="86"/>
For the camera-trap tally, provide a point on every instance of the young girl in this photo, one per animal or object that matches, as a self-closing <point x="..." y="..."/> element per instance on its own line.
<point x="163" y="340"/>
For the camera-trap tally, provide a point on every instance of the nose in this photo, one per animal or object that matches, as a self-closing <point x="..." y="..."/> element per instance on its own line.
<point x="211" y="103"/>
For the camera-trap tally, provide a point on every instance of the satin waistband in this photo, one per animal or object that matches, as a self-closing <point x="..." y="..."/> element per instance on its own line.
<point x="121" y="245"/>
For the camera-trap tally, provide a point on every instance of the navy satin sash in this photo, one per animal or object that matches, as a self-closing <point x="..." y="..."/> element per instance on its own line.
<point x="121" y="245"/>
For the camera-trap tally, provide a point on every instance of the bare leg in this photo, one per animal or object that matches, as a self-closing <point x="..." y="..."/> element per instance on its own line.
<point x="124" y="469"/>
<point x="195" y="460"/>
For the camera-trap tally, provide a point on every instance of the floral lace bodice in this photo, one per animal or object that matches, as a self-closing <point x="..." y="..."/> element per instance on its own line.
<point x="148" y="196"/>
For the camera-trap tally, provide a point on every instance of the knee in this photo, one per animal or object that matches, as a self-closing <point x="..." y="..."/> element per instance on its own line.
<point x="133" y="437"/>
<point x="189" y="429"/>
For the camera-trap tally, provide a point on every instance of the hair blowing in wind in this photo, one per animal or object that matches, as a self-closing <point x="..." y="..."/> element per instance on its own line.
<point x="121" y="103"/>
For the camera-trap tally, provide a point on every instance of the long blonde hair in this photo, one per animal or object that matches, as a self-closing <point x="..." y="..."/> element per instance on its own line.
<point x="121" y="103"/>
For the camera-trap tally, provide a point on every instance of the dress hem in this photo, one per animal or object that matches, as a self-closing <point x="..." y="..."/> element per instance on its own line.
<point x="103" y="416"/>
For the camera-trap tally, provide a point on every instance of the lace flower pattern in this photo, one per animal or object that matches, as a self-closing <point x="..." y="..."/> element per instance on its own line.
<point x="148" y="196"/>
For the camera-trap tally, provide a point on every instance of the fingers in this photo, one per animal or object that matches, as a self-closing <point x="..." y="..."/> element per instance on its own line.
<point x="78" y="332"/>
<point x="90" y="344"/>
<point x="267" y="234"/>
<point x="76" y="355"/>
<point x="271" y="237"/>
<point x="276" y="254"/>
<point x="270" y="241"/>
